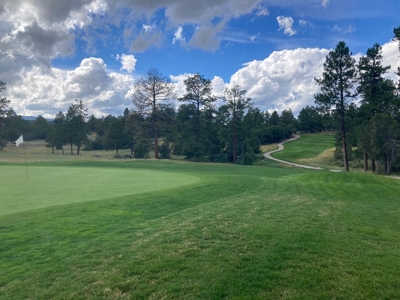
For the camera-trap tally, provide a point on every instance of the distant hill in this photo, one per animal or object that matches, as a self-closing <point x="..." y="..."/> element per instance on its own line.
<point x="31" y="118"/>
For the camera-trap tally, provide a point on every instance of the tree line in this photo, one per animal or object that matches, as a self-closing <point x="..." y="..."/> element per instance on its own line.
<point x="372" y="127"/>
<point x="355" y="100"/>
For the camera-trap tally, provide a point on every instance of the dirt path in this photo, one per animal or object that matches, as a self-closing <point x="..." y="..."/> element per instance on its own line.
<point x="280" y="148"/>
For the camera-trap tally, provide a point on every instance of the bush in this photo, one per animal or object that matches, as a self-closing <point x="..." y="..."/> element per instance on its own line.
<point x="248" y="159"/>
<point x="87" y="145"/>
<point x="199" y="157"/>
<point x="127" y="156"/>
<point x="356" y="164"/>
<point x="140" y="151"/>
<point x="3" y="143"/>
<point x="165" y="151"/>
<point x="117" y="156"/>
<point x="97" y="144"/>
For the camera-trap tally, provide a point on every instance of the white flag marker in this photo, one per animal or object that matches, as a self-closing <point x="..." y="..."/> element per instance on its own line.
<point x="19" y="141"/>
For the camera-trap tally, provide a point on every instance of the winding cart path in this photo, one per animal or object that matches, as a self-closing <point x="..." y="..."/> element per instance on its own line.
<point x="281" y="147"/>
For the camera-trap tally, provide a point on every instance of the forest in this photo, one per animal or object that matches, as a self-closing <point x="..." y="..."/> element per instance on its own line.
<point x="356" y="102"/>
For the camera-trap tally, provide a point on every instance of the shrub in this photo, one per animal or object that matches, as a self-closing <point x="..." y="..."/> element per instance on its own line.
<point x="247" y="159"/>
<point x="87" y="145"/>
<point x="140" y="151"/>
<point x="165" y="150"/>
<point x="199" y="157"/>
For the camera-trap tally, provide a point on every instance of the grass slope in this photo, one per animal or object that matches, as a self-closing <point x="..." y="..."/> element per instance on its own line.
<point x="240" y="232"/>
<point x="307" y="146"/>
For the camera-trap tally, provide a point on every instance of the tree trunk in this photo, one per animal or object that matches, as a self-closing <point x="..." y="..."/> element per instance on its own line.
<point x="155" y="145"/>
<point x="52" y="150"/>
<point x="365" y="162"/>
<point x="344" y="146"/>
<point x="234" y="139"/>
<point x="78" y="149"/>
<point x="62" y="149"/>
<point x="116" y="151"/>
<point x="389" y="167"/>
<point x="386" y="166"/>
<point x="71" y="150"/>
<point x="373" y="165"/>
<point x="198" y="128"/>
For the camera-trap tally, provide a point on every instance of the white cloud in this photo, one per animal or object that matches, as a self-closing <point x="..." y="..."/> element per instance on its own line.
<point x="344" y="30"/>
<point x="148" y="28"/>
<point x="324" y="3"/>
<point x="305" y="23"/>
<point x="283" y="80"/>
<point x="46" y="91"/>
<point x="178" y="35"/>
<point x="217" y="84"/>
<point x="128" y="62"/>
<point x="262" y="11"/>
<point x="179" y="83"/>
<point x="286" y="24"/>
<point x="390" y="53"/>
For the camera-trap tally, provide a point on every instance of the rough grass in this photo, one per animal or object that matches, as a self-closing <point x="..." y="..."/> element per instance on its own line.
<point x="240" y="232"/>
<point x="36" y="151"/>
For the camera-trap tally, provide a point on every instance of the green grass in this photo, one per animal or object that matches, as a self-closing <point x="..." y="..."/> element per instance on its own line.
<point x="307" y="146"/>
<point x="239" y="232"/>
<point x="48" y="186"/>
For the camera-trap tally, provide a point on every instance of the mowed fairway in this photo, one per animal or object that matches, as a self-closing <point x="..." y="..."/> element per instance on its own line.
<point x="307" y="146"/>
<point x="239" y="232"/>
<point x="48" y="186"/>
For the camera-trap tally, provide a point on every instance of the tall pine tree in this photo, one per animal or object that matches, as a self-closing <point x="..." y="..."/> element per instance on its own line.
<point x="337" y="88"/>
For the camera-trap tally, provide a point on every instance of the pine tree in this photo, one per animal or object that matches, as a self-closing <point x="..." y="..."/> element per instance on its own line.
<point x="152" y="92"/>
<point x="337" y="88"/>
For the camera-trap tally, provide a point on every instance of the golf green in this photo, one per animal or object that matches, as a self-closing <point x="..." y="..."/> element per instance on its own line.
<point x="49" y="186"/>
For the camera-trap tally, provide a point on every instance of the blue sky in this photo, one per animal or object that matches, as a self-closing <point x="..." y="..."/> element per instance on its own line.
<point x="52" y="52"/>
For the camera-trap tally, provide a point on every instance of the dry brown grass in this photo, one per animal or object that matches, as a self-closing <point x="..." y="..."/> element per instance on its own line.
<point x="326" y="158"/>
<point x="36" y="151"/>
<point x="270" y="147"/>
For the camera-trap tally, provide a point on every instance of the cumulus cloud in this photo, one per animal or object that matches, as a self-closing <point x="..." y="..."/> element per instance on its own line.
<point x="286" y="24"/>
<point x="128" y="62"/>
<point x="283" y="80"/>
<point x="390" y="53"/>
<point x="46" y="91"/>
<point x="217" y="84"/>
<point x="178" y="35"/>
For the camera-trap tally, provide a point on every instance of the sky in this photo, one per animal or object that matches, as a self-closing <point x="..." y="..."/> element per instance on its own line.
<point x="55" y="51"/>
